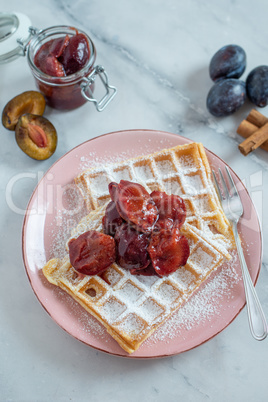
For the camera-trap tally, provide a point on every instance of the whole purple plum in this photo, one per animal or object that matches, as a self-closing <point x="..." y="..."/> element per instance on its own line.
<point x="226" y="97"/>
<point x="228" y="62"/>
<point x="257" y="86"/>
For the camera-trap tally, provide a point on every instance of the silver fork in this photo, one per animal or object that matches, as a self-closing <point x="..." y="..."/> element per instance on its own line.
<point x="233" y="209"/>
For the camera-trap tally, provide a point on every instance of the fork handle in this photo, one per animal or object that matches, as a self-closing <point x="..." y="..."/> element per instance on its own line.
<point x="256" y="317"/>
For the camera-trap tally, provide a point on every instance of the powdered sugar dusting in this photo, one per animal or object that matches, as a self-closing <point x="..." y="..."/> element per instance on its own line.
<point x="92" y="160"/>
<point x="87" y="322"/>
<point x="200" y="309"/>
<point x="132" y="324"/>
<point x="202" y="306"/>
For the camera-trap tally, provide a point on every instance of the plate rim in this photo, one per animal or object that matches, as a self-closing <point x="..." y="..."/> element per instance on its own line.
<point x="125" y="132"/>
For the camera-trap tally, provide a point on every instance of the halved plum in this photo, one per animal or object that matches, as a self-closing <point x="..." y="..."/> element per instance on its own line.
<point x="36" y="136"/>
<point x="134" y="204"/>
<point x="168" y="251"/>
<point x="171" y="209"/>
<point x="27" y="102"/>
<point x="92" y="252"/>
<point x="75" y="55"/>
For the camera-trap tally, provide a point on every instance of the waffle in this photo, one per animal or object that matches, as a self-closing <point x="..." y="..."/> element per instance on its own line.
<point x="183" y="170"/>
<point x="132" y="307"/>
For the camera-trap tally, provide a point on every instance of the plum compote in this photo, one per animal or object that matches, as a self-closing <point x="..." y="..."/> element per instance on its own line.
<point x="144" y="233"/>
<point x="111" y="220"/>
<point x="63" y="56"/>
<point x="147" y="238"/>
<point x="131" y="247"/>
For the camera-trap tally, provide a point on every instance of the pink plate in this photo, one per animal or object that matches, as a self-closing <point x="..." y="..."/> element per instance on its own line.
<point x="56" y="206"/>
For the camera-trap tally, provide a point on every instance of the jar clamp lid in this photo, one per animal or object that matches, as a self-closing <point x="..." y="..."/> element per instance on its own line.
<point x="16" y="33"/>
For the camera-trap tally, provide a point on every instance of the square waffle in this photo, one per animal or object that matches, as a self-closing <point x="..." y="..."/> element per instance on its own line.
<point x="132" y="307"/>
<point x="183" y="170"/>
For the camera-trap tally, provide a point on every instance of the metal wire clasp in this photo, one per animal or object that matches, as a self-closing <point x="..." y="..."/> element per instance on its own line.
<point x="89" y="80"/>
<point x="24" y="45"/>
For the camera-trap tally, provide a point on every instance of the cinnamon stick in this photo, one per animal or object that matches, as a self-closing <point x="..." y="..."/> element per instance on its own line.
<point x="251" y="125"/>
<point x="246" y="128"/>
<point x="254" y="140"/>
<point x="257" y="118"/>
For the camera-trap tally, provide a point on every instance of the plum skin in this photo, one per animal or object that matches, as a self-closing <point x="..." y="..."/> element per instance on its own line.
<point x="226" y="97"/>
<point x="257" y="86"/>
<point x="228" y="62"/>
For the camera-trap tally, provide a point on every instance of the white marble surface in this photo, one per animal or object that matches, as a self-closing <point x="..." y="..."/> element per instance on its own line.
<point x="157" y="54"/>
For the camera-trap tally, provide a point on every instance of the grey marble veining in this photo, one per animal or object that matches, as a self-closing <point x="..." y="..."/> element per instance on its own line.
<point x="157" y="54"/>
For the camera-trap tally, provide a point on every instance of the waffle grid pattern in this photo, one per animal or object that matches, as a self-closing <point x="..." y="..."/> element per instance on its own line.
<point x="183" y="171"/>
<point x="132" y="307"/>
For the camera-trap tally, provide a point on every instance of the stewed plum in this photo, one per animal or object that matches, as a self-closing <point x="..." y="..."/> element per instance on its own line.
<point x="63" y="56"/>
<point x="111" y="220"/>
<point x="257" y="86"/>
<point x="92" y="252"/>
<point x="75" y="54"/>
<point x="134" y="204"/>
<point x="171" y="210"/>
<point x="158" y="250"/>
<point x="168" y="250"/>
<point x="131" y="247"/>
<point x="226" y="97"/>
<point x="57" y="46"/>
<point x="227" y="62"/>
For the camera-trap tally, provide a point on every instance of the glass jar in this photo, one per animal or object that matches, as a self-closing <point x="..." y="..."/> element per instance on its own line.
<point x="71" y="91"/>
